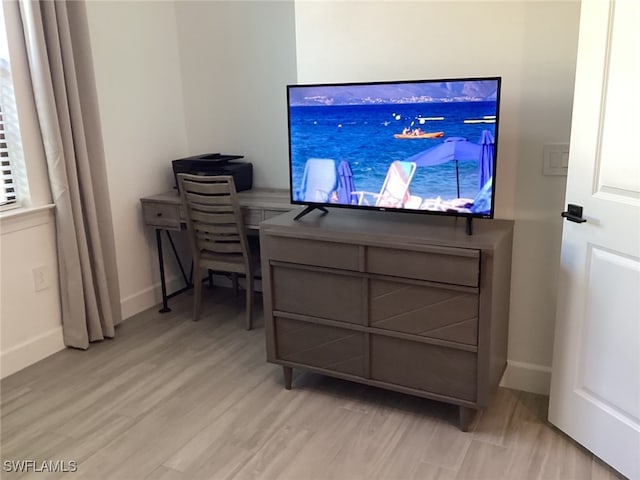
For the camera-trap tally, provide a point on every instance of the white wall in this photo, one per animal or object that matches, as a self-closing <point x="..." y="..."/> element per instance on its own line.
<point x="532" y="45"/>
<point x="550" y="37"/>
<point x="31" y="327"/>
<point x="236" y="59"/>
<point x="140" y="97"/>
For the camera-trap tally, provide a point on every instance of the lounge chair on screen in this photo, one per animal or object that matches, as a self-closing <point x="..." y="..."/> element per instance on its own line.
<point x="395" y="189"/>
<point x="319" y="181"/>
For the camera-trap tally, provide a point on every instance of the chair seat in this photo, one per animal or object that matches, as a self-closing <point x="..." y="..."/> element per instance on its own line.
<point x="229" y="262"/>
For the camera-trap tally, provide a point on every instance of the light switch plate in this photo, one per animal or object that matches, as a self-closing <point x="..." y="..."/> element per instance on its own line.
<point x="555" y="159"/>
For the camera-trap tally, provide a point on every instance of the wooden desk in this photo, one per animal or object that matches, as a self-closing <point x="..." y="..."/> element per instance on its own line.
<point x="164" y="212"/>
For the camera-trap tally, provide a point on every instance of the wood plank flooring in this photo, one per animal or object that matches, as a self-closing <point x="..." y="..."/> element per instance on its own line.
<point x="173" y="399"/>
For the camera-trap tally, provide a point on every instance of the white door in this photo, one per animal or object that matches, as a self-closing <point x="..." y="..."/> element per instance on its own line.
<point x="595" y="386"/>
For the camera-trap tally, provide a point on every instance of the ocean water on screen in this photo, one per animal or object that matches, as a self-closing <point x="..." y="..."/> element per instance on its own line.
<point x="364" y="136"/>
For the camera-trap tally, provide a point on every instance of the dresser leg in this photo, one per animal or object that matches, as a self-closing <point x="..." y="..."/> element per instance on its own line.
<point x="288" y="377"/>
<point x="466" y="415"/>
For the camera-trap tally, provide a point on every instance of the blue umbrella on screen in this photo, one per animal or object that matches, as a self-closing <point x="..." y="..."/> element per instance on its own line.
<point x="345" y="178"/>
<point x="485" y="167"/>
<point x="458" y="149"/>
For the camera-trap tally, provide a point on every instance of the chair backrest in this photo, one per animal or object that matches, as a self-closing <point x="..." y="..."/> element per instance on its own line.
<point x="319" y="180"/>
<point x="214" y="219"/>
<point x="395" y="189"/>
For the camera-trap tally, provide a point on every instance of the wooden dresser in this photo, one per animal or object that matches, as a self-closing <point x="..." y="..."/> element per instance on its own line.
<point x="399" y="301"/>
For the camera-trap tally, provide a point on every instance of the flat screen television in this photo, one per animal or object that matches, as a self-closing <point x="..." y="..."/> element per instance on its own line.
<point x="426" y="146"/>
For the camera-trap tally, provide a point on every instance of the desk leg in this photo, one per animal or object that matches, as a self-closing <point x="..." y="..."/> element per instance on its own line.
<point x="187" y="281"/>
<point x="165" y="301"/>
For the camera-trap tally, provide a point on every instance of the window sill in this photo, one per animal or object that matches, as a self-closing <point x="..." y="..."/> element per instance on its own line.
<point x="22" y="218"/>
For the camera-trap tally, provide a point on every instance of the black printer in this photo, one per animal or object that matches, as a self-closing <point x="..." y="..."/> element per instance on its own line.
<point x="216" y="164"/>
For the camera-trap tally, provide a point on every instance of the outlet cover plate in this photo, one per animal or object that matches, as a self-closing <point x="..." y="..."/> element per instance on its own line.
<point x="555" y="159"/>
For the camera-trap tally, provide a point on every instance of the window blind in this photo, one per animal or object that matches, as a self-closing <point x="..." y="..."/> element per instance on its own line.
<point x="10" y="145"/>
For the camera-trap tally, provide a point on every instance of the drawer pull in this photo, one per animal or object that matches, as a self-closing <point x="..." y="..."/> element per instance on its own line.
<point x="159" y="214"/>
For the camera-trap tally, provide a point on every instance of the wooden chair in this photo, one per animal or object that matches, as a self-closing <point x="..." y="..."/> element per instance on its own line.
<point x="216" y="233"/>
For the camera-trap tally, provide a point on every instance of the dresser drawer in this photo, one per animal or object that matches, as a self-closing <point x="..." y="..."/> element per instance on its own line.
<point x="440" y="313"/>
<point x="435" y="369"/>
<point x="457" y="266"/>
<point x="161" y="215"/>
<point x="317" y="294"/>
<point x="311" y="252"/>
<point x="320" y="346"/>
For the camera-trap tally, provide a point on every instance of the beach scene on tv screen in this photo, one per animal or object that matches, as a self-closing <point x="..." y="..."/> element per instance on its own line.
<point x="413" y="146"/>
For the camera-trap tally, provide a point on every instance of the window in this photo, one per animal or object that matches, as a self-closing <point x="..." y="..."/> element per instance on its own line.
<point x="10" y="142"/>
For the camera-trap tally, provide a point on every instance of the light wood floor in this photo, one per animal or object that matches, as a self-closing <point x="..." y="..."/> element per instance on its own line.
<point x="173" y="399"/>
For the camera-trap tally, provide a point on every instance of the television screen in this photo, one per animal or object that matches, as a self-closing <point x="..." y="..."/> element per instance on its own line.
<point x="425" y="146"/>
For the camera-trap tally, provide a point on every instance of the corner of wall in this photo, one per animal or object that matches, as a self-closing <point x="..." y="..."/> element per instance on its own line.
<point x="527" y="377"/>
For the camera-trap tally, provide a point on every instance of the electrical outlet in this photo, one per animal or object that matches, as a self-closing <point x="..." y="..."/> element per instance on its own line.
<point x="40" y="278"/>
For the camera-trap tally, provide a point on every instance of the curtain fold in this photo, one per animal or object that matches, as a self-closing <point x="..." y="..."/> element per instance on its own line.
<point x="58" y="50"/>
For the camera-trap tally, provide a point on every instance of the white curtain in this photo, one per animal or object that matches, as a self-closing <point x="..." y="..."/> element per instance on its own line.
<point x="59" y="56"/>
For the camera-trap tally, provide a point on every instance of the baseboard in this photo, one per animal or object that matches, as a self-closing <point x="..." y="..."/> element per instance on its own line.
<point x="147" y="298"/>
<point x="31" y="351"/>
<point x="152" y="295"/>
<point x="528" y="377"/>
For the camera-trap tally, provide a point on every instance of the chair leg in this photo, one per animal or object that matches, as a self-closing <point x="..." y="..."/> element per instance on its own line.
<point x="197" y="294"/>
<point x="249" y="283"/>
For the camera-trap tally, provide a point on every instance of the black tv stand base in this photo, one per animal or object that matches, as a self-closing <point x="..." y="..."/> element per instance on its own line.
<point x="310" y="209"/>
